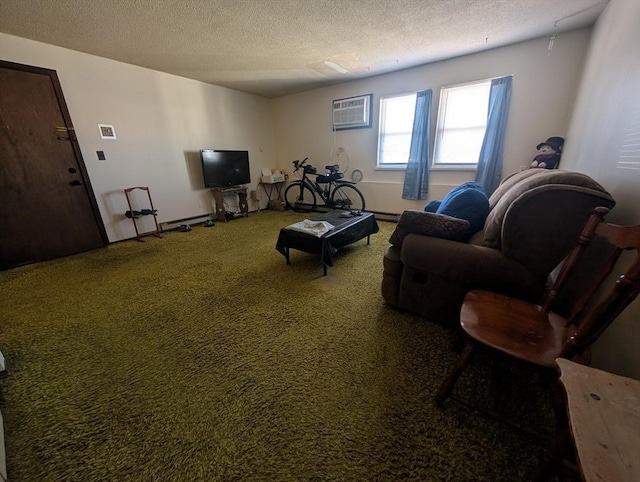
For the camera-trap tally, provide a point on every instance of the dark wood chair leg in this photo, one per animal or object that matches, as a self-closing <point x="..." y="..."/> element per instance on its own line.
<point x="558" y="404"/>
<point x="494" y="385"/>
<point x="457" y="340"/>
<point x="557" y="460"/>
<point x="461" y="364"/>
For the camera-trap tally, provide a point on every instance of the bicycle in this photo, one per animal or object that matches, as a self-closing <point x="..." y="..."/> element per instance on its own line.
<point x="334" y="192"/>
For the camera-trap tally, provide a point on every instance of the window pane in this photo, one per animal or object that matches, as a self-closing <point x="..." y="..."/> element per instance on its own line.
<point x="461" y="146"/>
<point x="399" y="114"/>
<point x="462" y="121"/>
<point x="467" y="107"/>
<point x="395" y="149"/>
<point x="396" y="126"/>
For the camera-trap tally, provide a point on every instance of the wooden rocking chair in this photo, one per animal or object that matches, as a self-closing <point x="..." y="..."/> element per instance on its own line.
<point x="535" y="334"/>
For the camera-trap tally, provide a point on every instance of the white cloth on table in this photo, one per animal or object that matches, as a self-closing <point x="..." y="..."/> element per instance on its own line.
<point x="315" y="228"/>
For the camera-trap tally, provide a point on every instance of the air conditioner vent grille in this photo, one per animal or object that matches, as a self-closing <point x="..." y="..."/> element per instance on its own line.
<point x="351" y="113"/>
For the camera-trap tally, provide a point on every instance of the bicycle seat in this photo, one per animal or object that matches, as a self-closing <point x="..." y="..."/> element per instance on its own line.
<point x="333" y="168"/>
<point x="331" y="177"/>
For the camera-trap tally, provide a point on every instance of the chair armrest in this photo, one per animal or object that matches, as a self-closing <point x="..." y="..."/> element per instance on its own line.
<point x="476" y="266"/>
<point x="429" y="224"/>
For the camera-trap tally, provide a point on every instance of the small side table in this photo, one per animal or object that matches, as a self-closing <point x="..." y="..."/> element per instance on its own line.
<point x="604" y="414"/>
<point x="273" y="191"/>
<point x="604" y="417"/>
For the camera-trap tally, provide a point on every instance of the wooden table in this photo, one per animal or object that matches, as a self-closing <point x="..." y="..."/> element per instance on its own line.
<point x="604" y="417"/>
<point x="346" y="230"/>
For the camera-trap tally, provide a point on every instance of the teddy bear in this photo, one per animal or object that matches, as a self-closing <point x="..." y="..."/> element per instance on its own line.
<point x="550" y="152"/>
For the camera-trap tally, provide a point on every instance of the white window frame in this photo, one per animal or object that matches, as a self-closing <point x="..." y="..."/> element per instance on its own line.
<point x="382" y="134"/>
<point x="436" y="163"/>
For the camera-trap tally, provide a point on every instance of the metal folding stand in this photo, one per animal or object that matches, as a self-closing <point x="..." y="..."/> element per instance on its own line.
<point x="274" y="194"/>
<point x="144" y="212"/>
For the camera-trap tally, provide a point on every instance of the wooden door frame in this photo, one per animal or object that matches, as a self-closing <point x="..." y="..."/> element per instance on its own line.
<point x="53" y="75"/>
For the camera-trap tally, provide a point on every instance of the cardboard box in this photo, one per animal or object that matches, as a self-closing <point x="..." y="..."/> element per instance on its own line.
<point x="271" y="177"/>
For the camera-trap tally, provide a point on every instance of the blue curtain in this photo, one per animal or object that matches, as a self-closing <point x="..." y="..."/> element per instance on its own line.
<point x="416" y="177"/>
<point x="490" y="160"/>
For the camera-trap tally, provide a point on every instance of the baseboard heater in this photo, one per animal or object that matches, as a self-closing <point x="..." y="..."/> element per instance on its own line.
<point x="174" y="224"/>
<point x="201" y="218"/>
<point x="379" y="215"/>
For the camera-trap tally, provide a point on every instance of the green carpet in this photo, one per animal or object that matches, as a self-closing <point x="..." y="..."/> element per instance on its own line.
<point x="203" y="356"/>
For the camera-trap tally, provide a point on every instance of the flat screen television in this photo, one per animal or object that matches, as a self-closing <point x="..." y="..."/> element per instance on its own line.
<point x="224" y="169"/>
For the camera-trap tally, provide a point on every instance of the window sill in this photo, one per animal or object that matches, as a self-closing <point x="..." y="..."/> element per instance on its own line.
<point x="450" y="167"/>
<point x="465" y="168"/>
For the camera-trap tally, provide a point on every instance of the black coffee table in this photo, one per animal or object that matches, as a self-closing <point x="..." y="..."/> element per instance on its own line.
<point x="346" y="230"/>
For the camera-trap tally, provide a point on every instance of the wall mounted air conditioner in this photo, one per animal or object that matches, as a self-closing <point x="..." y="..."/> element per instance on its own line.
<point x="352" y="113"/>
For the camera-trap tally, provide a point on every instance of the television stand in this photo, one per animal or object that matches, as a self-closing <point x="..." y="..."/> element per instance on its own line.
<point x="221" y="211"/>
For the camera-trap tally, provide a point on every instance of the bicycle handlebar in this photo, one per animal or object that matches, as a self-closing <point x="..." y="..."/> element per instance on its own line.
<point x="299" y="164"/>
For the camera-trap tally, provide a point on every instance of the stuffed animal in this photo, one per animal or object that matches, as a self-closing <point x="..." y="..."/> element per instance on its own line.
<point x="550" y="152"/>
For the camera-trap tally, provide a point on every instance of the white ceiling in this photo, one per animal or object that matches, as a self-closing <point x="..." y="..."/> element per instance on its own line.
<point x="278" y="47"/>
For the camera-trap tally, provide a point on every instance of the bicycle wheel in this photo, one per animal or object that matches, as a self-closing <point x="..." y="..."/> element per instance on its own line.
<point x="299" y="197"/>
<point x="347" y="196"/>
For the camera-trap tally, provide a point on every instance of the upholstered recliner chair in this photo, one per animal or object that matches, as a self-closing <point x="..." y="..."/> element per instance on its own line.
<point x="534" y="219"/>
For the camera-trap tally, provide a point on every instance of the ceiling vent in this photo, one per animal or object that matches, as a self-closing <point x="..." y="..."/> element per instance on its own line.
<point x="352" y="113"/>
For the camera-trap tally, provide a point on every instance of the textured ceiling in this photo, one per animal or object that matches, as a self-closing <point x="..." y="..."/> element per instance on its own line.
<point x="278" y="47"/>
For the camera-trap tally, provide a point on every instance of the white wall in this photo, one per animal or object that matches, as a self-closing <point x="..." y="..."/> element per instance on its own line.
<point x="542" y="100"/>
<point x="604" y="142"/>
<point x="161" y="123"/>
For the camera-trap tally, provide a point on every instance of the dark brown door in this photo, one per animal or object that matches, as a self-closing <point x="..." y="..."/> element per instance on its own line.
<point x="47" y="207"/>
